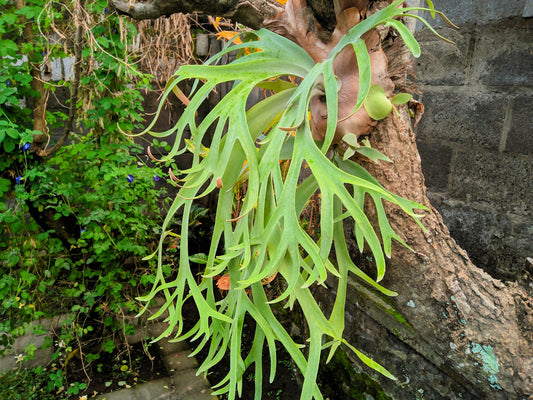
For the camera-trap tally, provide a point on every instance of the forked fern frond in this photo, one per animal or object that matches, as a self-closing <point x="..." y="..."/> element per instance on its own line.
<point x="267" y="236"/>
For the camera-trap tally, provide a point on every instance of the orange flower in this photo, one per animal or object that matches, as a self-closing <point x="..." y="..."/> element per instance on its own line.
<point x="229" y="35"/>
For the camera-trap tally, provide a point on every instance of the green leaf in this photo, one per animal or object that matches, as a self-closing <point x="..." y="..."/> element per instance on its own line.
<point x="377" y="105"/>
<point x="199" y="258"/>
<point x="350" y="151"/>
<point x="8" y="48"/>
<point x="351" y="140"/>
<point x="276" y="85"/>
<point x="401" y="98"/>
<point x="407" y="37"/>
<point x="108" y="346"/>
<point x="372" y="154"/>
<point x="9" y="146"/>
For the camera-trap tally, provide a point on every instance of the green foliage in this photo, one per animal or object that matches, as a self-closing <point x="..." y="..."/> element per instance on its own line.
<point x="30" y="384"/>
<point x="74" y="227"/>
<point x="115" y="219"/>
<point x="96" y="275"/>
<point x="264" y="235"/>
<point x="111" y="84"/>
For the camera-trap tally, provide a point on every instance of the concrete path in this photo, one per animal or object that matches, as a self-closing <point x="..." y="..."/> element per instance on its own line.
<point x="182" y="384"/>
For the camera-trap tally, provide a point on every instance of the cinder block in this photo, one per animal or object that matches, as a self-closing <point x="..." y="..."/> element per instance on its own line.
<point x="462" y="116"/>
<point x="480" y="12"/>
<point x="443" y="63"/>
<point x="459" y="12"/>
<point x="504" y="181"/>
<point x="497" y="9"/>
<point x="502" y="54"/>
<point x="436" y="159"/>
<point x="520" y="136"/>
<point x="496" y="241"/>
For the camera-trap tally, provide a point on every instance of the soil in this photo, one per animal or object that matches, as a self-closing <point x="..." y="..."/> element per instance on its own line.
<point x="117" y="370"/>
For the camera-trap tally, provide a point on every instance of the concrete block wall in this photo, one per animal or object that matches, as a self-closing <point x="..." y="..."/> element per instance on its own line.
<point x="476" y="137"/>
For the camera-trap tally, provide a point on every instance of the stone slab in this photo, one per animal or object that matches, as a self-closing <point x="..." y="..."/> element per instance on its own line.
<point x="41" y="356"/>
<point x="159" y="389"/>
<point x="182" y="384"/>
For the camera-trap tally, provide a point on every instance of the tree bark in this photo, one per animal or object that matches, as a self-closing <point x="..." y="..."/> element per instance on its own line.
<point x="475" y="330"/>
<point x="251" y="13"/>
<point x="453" y="331"/>
<point x="37" y="83"/>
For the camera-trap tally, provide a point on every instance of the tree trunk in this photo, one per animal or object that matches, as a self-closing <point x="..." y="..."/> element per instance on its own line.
<point x="453" y="331"/>
<point x="463" y="334"/>
<point x="37" y="83"/>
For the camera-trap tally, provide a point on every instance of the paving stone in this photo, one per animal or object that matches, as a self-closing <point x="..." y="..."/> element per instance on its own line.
<point x="41" y="356"/>
<point x="154" y="390"/>
<point x="182" y="384"/>
<point x="189" y="386"/>
<point x="180" y="360"/>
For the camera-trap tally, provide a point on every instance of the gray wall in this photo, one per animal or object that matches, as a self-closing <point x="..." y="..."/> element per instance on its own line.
<point x="475" y="138"/>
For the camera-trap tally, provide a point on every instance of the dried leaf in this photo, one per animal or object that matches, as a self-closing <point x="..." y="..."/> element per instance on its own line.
<point x="223" y="282"/>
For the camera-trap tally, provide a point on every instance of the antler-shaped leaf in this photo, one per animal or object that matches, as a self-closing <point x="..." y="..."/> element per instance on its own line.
<point x="267" y="237"/>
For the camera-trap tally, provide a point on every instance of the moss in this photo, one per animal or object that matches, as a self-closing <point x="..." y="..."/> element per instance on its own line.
<point x="339" y="379"/>
<point x="399" y="317"/>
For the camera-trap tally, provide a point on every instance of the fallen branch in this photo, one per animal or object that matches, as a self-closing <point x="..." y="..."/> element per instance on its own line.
<point x="251" y="13"/>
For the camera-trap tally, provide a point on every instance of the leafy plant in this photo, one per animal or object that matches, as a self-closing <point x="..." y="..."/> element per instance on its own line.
<point x="96" y="272"/>
<point x="267" y="238"/>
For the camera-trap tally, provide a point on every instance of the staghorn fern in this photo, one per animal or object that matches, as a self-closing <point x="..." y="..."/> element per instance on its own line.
<point x="267" y="237"/>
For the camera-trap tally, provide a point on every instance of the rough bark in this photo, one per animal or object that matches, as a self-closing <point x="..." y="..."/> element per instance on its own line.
<point x="454" y="331"/>
<point x="475" y="330"/>
<point x="37" y="83"/>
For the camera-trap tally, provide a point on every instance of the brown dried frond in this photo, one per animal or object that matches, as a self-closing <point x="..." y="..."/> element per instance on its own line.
<point x="165" y="44"/>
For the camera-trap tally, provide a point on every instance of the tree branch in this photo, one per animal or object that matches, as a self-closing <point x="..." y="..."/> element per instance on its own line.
<point x="251" y="13"/>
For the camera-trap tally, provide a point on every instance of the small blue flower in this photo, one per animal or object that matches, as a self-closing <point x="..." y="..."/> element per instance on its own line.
<point x="82" y="230"/>
<point x="156" y="178"/>
<point x="8" y="83"/>
<point x="17" y="180"/>
<point x="105" y="10"/>
<point x="26" y="146"/>
<point x="130" y="178"/>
